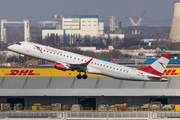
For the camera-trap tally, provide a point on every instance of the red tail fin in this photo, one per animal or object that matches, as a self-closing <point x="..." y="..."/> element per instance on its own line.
<point x="157" y="67"/>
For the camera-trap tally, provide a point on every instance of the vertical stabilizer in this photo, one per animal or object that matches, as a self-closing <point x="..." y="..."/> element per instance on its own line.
<point x="157" y="68"/>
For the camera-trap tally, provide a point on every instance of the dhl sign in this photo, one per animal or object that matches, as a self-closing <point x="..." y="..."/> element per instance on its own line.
<point x="171" y="72"/>
<point x="22" y="72"/>
<point x="37" y="72"/>
<point x="52" y="72"/>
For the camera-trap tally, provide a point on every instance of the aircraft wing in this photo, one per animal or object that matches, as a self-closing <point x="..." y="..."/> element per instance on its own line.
<point x="80" y="67"/>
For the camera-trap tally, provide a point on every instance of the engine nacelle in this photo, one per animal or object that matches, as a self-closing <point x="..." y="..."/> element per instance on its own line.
<point x="61" y="66"/>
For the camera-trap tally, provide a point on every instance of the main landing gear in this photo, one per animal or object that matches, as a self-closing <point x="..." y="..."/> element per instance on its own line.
<point x="79" y="76"/>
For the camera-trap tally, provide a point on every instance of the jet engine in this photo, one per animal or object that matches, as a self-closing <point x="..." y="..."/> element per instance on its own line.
<point x="61" y="66"/>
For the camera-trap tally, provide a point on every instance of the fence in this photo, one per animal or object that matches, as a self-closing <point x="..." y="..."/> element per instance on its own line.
<point x="91" y="115"/>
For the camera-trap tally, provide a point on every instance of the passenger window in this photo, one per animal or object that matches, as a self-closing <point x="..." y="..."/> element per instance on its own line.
<point x="103" y="65"/>
<point x="117" y="68"/>
<point x="81" y="59"/>
<point x="74" y="57"/>
<point x="64" y="55"/>
<point x="114" y="68"/>
<point x="60" y="54"/>
<point x="110" y="67"/>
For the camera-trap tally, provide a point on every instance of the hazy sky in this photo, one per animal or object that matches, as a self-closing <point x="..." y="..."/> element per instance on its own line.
<point x="158" y="12"/>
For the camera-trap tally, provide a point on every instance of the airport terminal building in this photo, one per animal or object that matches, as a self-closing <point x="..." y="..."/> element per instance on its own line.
<point x="49" y="85"/>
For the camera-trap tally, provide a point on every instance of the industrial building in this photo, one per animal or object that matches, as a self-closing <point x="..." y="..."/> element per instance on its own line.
<point x="112" y="23"/>
<point x="175" y="31"/>
<point x="49" y="85"/>
<point x="79" y="26"/>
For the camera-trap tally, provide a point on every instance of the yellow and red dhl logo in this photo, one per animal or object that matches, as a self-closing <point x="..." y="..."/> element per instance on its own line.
<point x="54" y="72"/>
<point x="22" y="72"/>
<point x="171" y="72"/>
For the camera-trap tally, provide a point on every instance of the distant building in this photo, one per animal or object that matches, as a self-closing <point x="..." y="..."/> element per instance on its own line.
<point x="112" y="23"/>
<point x="11" y="64"/>
<point x="144" y="50"/>
<point x="175" y="31"/>
<point x="33" y="62"/>
<point x="77" y="26"/>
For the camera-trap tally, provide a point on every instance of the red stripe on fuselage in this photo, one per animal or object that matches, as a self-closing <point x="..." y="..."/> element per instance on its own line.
<point x="151" y="70"/>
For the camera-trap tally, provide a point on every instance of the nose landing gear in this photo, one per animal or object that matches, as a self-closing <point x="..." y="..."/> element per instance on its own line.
<point x="79" y="76"/>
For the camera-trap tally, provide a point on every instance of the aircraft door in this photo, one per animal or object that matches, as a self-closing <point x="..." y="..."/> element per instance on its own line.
<point x="28" y="47"/>
<point x="133" y="71"/>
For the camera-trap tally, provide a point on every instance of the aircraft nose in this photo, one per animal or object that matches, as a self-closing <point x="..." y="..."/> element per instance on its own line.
<point x="10" y="47"/>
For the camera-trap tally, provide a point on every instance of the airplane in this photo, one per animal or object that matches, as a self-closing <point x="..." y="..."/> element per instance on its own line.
<point x="64" y="60"/>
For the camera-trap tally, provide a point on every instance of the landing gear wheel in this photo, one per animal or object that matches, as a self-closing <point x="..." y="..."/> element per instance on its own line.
<point x="78" y="76"/>
<point x="84" y="76"/>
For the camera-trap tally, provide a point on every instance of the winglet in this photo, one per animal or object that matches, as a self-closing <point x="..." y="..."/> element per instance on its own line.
<point x="114" y="60"/>
<point x="86" y="63"/>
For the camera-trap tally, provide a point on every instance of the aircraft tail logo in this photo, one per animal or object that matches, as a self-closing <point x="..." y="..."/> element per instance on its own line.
<point x="157" y="67"/>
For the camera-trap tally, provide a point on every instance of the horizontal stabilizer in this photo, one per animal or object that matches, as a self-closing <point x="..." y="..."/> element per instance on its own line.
<point x="114" y="60"/>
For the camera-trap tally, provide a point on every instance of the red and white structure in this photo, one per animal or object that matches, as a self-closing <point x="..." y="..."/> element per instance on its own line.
<point x="135" y="26"/>
<point x="54" y="23"/>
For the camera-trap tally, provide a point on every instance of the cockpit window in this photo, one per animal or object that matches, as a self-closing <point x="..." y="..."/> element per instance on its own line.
<point x="18" y="43"/>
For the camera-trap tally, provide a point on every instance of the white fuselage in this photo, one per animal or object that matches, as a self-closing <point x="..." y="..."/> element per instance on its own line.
<point x="96" y="66"/>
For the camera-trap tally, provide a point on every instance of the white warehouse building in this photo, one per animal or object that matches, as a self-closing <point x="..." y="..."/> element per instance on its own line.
<point x="80" y="25"/>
